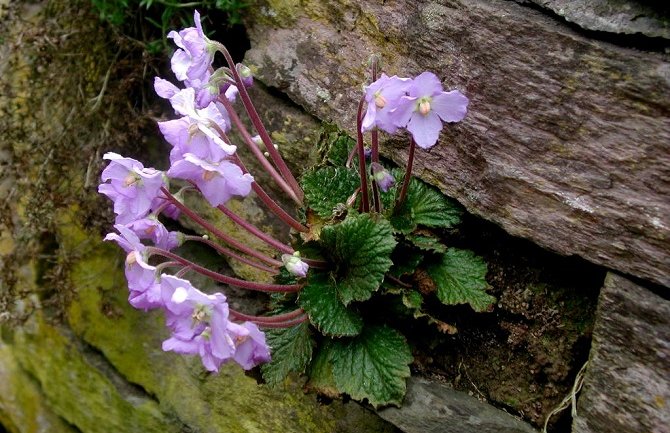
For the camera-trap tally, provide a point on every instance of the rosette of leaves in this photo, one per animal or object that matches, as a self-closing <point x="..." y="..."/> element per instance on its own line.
<point x="348" y="345"/>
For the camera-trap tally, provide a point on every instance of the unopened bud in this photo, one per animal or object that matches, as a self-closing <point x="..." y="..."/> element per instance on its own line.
<point x="382" y="176"/>
<point x="245" y="74"/>
<point x="294" y="265"/>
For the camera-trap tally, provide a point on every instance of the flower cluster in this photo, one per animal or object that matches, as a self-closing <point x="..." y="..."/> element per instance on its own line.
<point x="203" y="162"/>
<point x="204" y="159"/>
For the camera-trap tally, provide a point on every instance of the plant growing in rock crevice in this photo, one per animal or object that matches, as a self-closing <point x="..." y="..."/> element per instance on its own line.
<point x="361" y="234"/>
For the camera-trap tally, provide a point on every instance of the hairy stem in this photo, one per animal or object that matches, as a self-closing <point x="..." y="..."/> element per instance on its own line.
<point x="258" y="154"/>
<point x="408" y="173"/>
<point x="218" y="233"/>
<point x="232" y="281"/>
<point x="271" y="204"/>
<point x="255" y="231"/>
<point x="258" y="124"/>
<point x="365" y="203"/>
<point x="230" y="253"/>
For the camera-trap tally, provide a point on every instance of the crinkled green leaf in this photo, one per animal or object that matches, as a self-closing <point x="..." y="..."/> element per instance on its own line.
<point x="373" y="365"/>
<point x="291" y="350"/>
<point x="427" y="243"/>
<point x="320" y="371"/>
<point x="426" y="206"/>
<point x="361" y="247"/>
<point x="460" y="277"/>
<point x="329" y="187"/>
<point x="326" y="312"/>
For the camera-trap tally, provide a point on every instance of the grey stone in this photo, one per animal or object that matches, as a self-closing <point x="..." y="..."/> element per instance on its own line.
<point x="431" y="407"/>
<point x="627" y="384"/>
<point x="614" y="16"/>
<point x="567" y="141"/>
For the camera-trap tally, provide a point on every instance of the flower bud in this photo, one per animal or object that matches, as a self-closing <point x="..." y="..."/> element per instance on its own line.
<point x="245" y="74"/>
<point x="382" y="176"/>
<point x="294" y="265"/>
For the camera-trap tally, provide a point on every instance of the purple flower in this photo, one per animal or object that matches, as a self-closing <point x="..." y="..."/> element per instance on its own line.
<point x="151" y="228"/>
<point x="426" y="106"/>
<point x="195" y="54"/>
<point x="294" y="265"/>
<point x="250" y="346"/>
<point x="382" y="97"/>
<point x="131" y="187"/>
<point x="196" y="132"/>
<point x="382" y="176"/>
<point x="142" y="279"/>
<point x="199" y="322"/>
<point x="218" y="181"/>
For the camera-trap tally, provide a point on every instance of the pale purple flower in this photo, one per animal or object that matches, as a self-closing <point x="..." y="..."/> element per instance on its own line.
<point x="294" y="265"/>
<point x="195" y="54"/>
<point x="199" y="322"/>
<point x="218" y="181"/>
<point x="426" y="106"/>
<point x="151" y="228"/>
<point x="198" y="131"/>
<point x="382" y="176"/>
<point x="382" y="97"/>
<point x="142" y="279"/>
<point x="131" y="187"/>
<point x="250" y="346"/>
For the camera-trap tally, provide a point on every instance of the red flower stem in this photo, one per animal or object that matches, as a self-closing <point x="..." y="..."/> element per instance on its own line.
<point x="161" y="266"/>
<point x="266" y="319"/>
<point x="255" y="231"/>
<point x="270" y="203"/>
<point x="287" y="324"/>
<point x="218" y="233"/>
<point x="235" y="119"/>
<point x="258" y="124"/>
<point x="182" y="271"/>
<point x="232" y="281"/>
<point x="230" y="253"/>
<point x="365" y="204"/>
<point x="374" y="156"/>
<point x="408" y="173"/>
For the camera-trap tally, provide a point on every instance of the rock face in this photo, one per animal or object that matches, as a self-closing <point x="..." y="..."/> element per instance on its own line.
<point x="627" y="384"/>
<point x="566" y="142"/>
<point x="614" y="16"/>
<point x="434" y="408"/>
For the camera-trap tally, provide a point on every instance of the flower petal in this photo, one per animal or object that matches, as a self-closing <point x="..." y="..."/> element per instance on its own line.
<point x="450" y="106"/>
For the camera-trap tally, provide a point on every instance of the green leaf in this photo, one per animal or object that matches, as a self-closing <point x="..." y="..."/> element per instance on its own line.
<point x="373" y="365"/>
<point x="460" y="278"/>
<point x="291" y="351"/>
<point x="320" y="371"/>
<point x="326" y="311"/>
<point x="424" y="206"/>
<point x="361" y="247"/>
<point x="427" y="243"/>
<point x="328" y="187"/>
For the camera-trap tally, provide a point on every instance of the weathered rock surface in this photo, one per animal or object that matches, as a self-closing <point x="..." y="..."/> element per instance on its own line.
<point x="627" y="383"/>
<point x="567" y="142"/>
<point x="614" y="16"/>
<point x="434" y="408"/>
